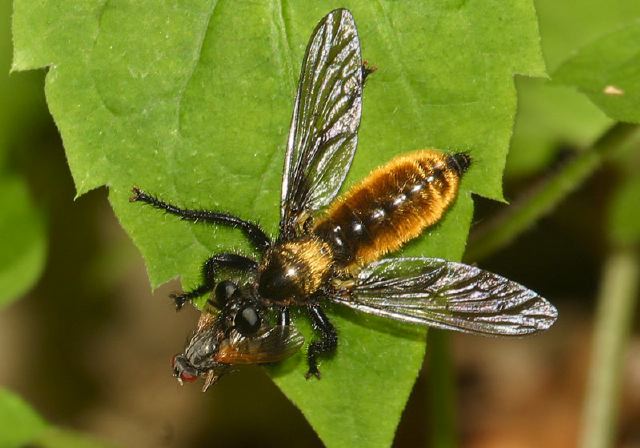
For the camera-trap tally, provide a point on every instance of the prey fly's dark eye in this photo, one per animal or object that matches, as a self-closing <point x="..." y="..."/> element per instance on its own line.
<point x="247" y="321"/>
<point x="224" y="291"/>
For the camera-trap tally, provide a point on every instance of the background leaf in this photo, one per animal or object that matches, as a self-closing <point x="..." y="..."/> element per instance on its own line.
<point x="553" y="117"/>
<point x="19" y="424"/>
<point x="21" y="225"/>
<point x="23" y="240"/>
<point x="550" y="118"/>
<point x="608" y="72"/>
<point x="175" y="99"/>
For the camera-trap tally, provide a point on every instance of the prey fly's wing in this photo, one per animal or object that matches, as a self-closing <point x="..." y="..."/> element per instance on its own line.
<point x="448" y="295"/>
<point x="275" y="344"/>
<point x="326" y="116"/>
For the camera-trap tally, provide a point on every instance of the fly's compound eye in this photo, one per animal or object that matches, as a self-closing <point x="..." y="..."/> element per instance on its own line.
<point x="247" y="321"/>
<point x="224" y="290"/>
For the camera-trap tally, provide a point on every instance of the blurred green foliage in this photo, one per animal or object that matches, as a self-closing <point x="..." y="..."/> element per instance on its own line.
<point x="21" y="224"/>
<point x="553" y="118"/>
<point x="19" y="423"/>
<point x="23" y="244"/>
<point x="21" y="426"/>
<point x="608" y="72"/>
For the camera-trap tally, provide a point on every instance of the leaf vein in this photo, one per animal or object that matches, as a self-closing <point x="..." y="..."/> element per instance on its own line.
<point x="196" y="61"/>
<point x="391" y="36"/>
<point x="283" y="50"/>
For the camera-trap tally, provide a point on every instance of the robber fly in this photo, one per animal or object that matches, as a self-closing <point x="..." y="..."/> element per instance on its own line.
<point x="331" y="249"/>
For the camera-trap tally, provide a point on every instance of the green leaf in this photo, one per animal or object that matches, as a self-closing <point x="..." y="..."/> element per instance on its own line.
<point x="19" y="424"/>
<point x="175" y="99"/>
<point x="23" y="105"/>
<point x="23" y="240"/>
<point x="608" y="72"/>
<point x="565" y="28"/>
<point x="552" y="117"/>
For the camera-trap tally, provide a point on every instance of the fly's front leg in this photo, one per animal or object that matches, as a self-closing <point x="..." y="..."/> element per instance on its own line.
<point x="213" y="264"/>
<point x="327" y="343"/>
<point x="252" y="231"/>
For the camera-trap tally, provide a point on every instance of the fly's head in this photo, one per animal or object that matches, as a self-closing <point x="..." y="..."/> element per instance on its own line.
<point x="199" y="356"/>
<point x="225" y="330"/>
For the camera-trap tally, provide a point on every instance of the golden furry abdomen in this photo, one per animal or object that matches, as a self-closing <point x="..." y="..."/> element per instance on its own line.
<point x="392" y="205"/>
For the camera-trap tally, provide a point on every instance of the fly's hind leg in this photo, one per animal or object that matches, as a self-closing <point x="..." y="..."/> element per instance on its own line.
<point x="213" y="264"/>
<point x="327" y="343"/>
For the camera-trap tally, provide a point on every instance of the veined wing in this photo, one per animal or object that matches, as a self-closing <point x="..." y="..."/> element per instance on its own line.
<point x="326" y="116"/>
<point x="448" y="295"/>
<point x="274" y="345"/>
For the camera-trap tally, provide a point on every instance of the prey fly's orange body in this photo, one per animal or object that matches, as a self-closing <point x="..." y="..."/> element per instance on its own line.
<point x="331" y="250"/>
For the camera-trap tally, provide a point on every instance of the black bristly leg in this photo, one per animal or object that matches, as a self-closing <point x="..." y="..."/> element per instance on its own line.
<point x="216" y="262"/>
<point x="252" y="231"/>
<point x="327" y="343"/>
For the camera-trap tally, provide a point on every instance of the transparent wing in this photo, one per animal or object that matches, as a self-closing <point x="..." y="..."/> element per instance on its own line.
<point x="274" y="345"/>
<point x="326" y="115"/>
<point x="448" y="295"/>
